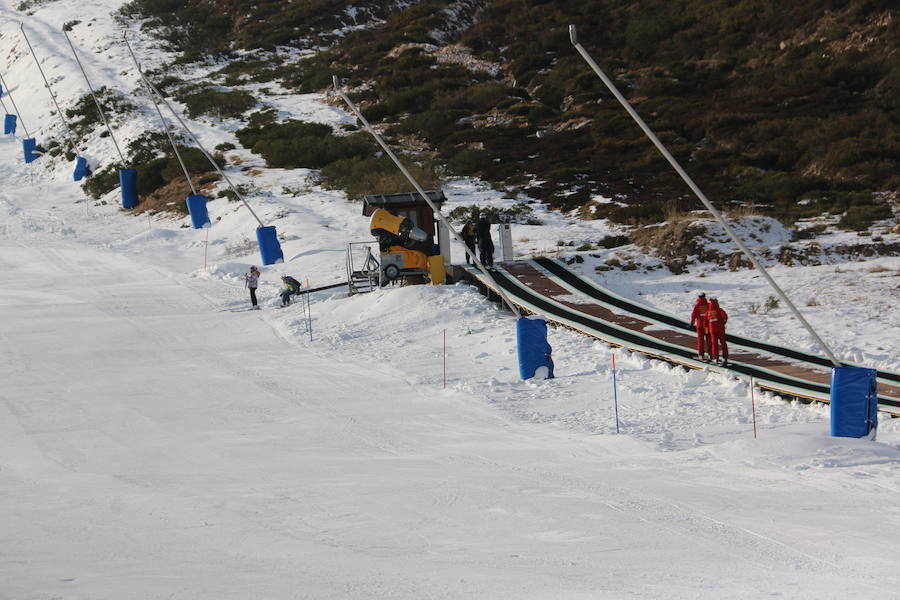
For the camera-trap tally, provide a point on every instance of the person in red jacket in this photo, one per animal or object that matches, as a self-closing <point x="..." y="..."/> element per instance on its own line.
<point x="698" y="320"/>
<point x="716" y="319"/>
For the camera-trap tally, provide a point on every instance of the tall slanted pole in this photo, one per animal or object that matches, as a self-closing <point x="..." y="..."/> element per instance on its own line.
<point x="208" y="156"/>
<point x="28" y="142"/>
<point x="699" y="193"/>
<point x="62" y="116"/>
<point x="615" y="390"/>
<point x="165" y="125"/>
<point x="9" y="124"/>
<point x="15" y="108"/>
<point x="415" y="184"/>
<point x="109" y="130"/>
<point x="269" y="247"/>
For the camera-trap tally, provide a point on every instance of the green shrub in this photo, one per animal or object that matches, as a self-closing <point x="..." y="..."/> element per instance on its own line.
<point x="189" y="28"/>
<point x="614" y="241"/>
<point x="194" y="161"/>
<point x="101" y="182"/>
<point x="479" y="98"/>
<point x="809" y="232"/>
<point x="217" y="103"/>
<point x="469" y="161"/>
<point x="359" y="176"/>
<point x="517" y="213"/>
<point x="861" y="217"/>
<point x="84" y="116"/>
<point x="431" y="123"/>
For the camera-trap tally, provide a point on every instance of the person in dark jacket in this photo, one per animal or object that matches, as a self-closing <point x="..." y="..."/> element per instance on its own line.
<point x="485" y="243"/>
<point x="469" y="234"/>
<point x="698" y="320"/>
<point x="291" y="288"/>
<point x="251" y="280"/>
<point x="716" y="319"/>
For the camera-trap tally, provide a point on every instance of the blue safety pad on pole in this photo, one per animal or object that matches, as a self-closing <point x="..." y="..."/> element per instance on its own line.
<point x="854" y="401"/>
<point x="269" y="248"/>
<point x="128" y="185"/>
<point x="9" y="124"/>
<point x="534" y="350"/>
<point x="196" y="204"/>
<point x="29" y="146"/>
<point x="81" y="168"/>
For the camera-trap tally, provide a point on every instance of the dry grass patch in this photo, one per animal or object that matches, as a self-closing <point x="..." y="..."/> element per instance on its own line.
<point x="171" y="198"/>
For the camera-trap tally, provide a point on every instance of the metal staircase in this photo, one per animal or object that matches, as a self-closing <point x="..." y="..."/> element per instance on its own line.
<point x="363" y="269"/>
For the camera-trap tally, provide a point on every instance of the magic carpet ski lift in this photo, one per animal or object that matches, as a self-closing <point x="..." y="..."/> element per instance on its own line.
<point x="81" y="169"/>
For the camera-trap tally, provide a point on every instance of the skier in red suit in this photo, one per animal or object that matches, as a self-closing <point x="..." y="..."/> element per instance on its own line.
<point x="698" y="320"/>
<point x="716" y="318"/>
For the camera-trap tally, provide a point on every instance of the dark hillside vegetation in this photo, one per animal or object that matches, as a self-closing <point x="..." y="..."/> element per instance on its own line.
<point x="792" y="107"/>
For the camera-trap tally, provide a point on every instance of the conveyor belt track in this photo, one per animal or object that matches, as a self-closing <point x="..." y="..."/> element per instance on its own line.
<point x="545" y="287"/>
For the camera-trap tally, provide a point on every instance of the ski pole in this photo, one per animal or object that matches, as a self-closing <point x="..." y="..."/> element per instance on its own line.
<point x="308" y="311"/>
<point x="753" y="406"/>
<point x="615" y="393"/>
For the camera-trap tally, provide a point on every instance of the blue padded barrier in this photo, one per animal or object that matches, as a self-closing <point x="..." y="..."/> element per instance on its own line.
<point x="196" y="204"/>
<point x="81" y="168"/>
<point x="854" y="401"/>
<point x="269" y="248"/>
<point x="534" y="350"/>
<point x="9" y="124"/>
<point x="29" y="146"/>
<point x="128" y="185"/>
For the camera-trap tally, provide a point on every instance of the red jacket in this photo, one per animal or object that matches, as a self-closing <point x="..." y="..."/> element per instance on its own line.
<point x="716" y="317"/>
<point x="698" y="315"/>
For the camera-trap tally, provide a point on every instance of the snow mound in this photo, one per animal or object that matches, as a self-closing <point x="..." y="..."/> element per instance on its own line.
<point x="804" y="447"/>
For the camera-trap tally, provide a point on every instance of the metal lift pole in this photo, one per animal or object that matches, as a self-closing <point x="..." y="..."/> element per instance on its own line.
<point x="94" y="96"/>
<point x="62" y="116"/>
<point x="208" y="156"/>
<point x="699" y="193"/>
<point x="412" y="180"/>
<point x="197" y="142"/>
<point x="15" y="108"/>
<point x="165" y="127"/>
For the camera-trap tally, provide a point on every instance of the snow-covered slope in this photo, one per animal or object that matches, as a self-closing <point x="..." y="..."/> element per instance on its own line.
<point x="155" y="444"/>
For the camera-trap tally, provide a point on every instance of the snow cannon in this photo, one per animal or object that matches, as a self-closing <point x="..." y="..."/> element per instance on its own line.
<point x="397" y="240"/>
<point x="414" y="246"/>
<point x="393" y="230"/>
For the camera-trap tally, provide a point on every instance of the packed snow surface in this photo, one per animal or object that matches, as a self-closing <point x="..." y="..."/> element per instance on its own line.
<point x="157" y="440"/>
